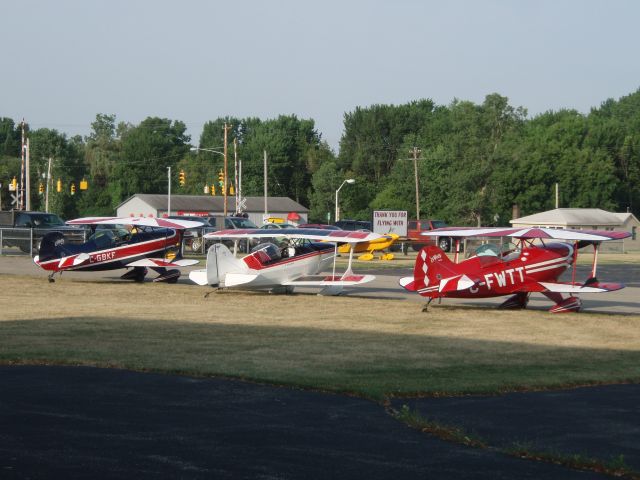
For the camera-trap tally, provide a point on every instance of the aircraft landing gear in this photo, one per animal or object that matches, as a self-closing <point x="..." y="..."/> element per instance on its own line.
<point x="425" y="309"/>
<point x="137" y="274"/>
<point x="164" y="275"/>
<point x="519" y="300"/>
<point x="50" y="277"/>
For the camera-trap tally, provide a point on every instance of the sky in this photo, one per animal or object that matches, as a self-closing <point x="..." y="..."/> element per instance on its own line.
<point x="63" y="62"/>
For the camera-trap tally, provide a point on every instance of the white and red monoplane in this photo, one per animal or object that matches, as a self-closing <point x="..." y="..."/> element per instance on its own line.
<point x="114" y="243"/>
<point x="297" y="261"/>
<point x="533" y="263"/>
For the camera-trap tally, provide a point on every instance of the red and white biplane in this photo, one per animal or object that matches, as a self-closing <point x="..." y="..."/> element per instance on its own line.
<point x="114" y="243"/>
<point x="301" y="255"/>
<point x="533" y="263"/>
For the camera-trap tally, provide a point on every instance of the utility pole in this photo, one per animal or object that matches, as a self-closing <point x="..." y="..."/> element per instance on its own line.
<point x="416" y="153"/>
<point x="235" y="174"/>
<point x="266" y="211"/>
<point x="46" y="193"/>
<point x="240" y="199"/>
<point x="224" y="186"/>
<point x="27" y="181"/>
<point x="169" y="191"/>
<point x="21" y="189"/>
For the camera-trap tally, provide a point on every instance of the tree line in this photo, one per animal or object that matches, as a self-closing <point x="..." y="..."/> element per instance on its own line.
<point x="474" y="161"/>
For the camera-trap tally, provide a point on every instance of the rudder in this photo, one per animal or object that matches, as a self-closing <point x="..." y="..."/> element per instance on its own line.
<point x="432" y="265"/>
<point x="52" y="246"/>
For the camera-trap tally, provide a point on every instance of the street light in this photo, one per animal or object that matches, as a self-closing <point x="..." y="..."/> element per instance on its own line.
<point x="197" y="149"/>
<point x="350" y="181"/>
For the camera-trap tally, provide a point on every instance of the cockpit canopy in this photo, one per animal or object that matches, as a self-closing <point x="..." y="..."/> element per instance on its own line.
<point x="507" y="251"/>
<point x="267" y="252"/>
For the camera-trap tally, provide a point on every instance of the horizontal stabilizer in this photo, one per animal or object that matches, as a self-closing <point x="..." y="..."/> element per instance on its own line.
<point x="161" y="262"/>
<point x="408" y="283"/>
<point x="236" y="279"/>
<point x="325" y="280"/>
<point x="456" y="284"/>
<point x="596" y="287"/>
<point x="73" y="261"/>
<point x="198" y="276"/>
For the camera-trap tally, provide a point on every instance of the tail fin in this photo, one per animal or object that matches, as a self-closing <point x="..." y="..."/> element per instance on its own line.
<point x="52" y="246"/>
<point x="432" y="265"/>
<point x="220" y="261"/>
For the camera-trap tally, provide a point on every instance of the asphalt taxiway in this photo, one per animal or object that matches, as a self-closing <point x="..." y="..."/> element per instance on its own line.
<point x="81" y="422"/>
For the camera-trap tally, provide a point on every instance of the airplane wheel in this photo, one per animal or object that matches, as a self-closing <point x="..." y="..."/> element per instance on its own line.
<point x="139" y="274"/>
<point x="445" y="244"/>
<point x="366" y="257"/>
<point x="387" y="256"/>
<point x="196" y="244"/>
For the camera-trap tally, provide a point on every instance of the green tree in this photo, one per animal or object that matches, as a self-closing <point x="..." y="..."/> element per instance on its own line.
<point x="146" y="151"/>
<point x="102" y="152"/>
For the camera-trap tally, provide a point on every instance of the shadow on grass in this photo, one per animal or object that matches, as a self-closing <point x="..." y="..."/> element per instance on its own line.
<point x="372" y="365"/>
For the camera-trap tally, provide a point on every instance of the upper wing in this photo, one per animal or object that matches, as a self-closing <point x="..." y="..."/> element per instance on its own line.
<point x="341" y="236"/>
<point x="143" y="221"/>
<point x="553" y="233"/>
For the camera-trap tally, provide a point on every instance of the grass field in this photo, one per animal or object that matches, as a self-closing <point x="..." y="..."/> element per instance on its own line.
<point x="372" y="348"/>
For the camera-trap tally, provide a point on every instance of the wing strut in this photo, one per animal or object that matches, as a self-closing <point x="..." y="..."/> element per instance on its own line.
<point x="594" y="267"/>
<point x="575" y="261"/>
<point x="335" y="257"/>
<point x="348" y="271"/>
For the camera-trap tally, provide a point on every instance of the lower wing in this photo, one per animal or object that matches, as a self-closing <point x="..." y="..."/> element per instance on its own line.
<point x="161" y="262"/>
<point x="329" y="280"/>
<point x="593" y="287"/>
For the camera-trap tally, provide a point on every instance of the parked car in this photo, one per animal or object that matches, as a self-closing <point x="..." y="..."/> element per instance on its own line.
<point x="272" y="226"/>
<point x="353" y="225"/>
<point x="24" y="229"/>
<point x="321" y="226"/>
<point x="193" y="238"/>
<point x="415" y="227"/>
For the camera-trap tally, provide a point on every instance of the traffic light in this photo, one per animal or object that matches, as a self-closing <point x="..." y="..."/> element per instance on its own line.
<point x="41" y="188"/>
<point x="84" y="184"/>
<point x="221" y="179"/>
<point x="181" y="176"/>
<point x="73" y="188"/>
<point x="59" y="186"/>
<point x="14" y="185"/>
<point x="213" y="189"/>
<point x="232" y="190"/>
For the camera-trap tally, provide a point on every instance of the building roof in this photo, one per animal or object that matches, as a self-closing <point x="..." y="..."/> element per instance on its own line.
<point x="626" y="216"/>
<point x="570" y="217"/>
<point x="210" y="203"/>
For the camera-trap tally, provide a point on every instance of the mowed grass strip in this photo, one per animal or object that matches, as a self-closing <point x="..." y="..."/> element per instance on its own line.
<point x="373" y="348"/>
